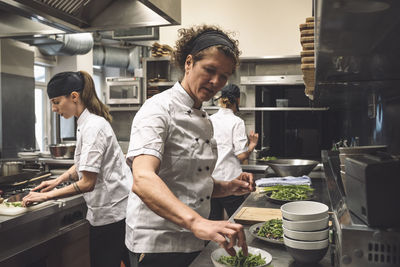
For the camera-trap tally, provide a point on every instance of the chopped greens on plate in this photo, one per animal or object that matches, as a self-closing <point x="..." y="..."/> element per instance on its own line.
<point x="290" y="192"/>
<point x="271" y="229"/>
<point x="239" y="260"/>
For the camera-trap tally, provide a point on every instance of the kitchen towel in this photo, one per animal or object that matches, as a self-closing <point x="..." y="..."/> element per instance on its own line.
<point x="288" y="180"/>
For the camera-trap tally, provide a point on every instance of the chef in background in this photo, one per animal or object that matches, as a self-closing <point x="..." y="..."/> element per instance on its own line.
<point x="99" y="171"/>
<point x="173" y="154"/>
<point x="230" y="134"/>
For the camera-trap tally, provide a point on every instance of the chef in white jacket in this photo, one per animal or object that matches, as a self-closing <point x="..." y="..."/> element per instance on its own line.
<point x="233" y="148"/>
<point x="99" y="172"/>
<point x="173" y="154"/>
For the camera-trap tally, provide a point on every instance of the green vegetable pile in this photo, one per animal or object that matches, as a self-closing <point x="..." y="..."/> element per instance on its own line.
<point x="268" y="158"/>
<point x="239" y="260"/>
<point x="14" y="204"/>
<point x="271" y="229"/>
<point x="290" y="192"/>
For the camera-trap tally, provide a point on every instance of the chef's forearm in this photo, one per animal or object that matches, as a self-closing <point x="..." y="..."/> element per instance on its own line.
<point x="70" y="174"/>
<point x="221" y="189"/>
<point x="157" y="196"/>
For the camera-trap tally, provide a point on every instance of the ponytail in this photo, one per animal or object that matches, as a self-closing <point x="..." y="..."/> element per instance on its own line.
<point x="225" y="103"/>
<point x="90" y="99"/>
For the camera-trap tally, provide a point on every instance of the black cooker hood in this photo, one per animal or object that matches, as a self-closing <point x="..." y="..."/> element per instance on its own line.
<point x="95" y="15"/>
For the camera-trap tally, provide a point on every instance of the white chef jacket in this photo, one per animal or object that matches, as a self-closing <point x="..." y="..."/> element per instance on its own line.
<point x="168" y="128"/>
<point x="98" y="151"/>
<point x="230" y="134"/>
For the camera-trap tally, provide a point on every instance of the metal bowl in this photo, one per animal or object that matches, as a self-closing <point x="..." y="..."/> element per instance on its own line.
<point x="62" y="151"/>
<point x="292" y="167"/>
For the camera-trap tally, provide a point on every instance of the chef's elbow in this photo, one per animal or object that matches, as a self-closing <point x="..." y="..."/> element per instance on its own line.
<point x="138" y="177"/>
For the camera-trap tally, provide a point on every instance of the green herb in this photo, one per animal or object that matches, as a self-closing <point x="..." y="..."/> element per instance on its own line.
<point x="271" y="229"/>
<point x="14" y="204"/>
<point x="268" y="158"/>
<point x="239" y="260"/>
<point x="290" y="192"/>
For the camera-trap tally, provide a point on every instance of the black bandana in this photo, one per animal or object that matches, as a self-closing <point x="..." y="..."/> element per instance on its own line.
<point x="208" y="39"/>
<point x="64" y="83"/>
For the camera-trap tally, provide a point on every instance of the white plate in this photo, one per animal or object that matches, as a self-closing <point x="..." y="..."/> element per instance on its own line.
<point x="253" y="231"/>
<point x="216" y="254"/>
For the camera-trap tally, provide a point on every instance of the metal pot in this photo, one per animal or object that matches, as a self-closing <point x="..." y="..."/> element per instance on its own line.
<point x="292" y="167"/>
<point x="11" y="168"/>
<point x="62" y="151"/>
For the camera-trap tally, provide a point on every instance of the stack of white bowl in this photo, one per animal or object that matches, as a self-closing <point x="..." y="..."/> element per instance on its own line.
<point x="306" y="230"/>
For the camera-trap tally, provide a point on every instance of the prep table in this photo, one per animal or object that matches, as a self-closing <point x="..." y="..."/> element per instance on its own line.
<point x="280" y="257"/>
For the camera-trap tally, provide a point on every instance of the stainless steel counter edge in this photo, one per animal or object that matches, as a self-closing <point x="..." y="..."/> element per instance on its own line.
<point x="7" y="222"/>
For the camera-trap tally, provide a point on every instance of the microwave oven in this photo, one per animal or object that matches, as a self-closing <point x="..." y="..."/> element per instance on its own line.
<point x="124" y="90"/>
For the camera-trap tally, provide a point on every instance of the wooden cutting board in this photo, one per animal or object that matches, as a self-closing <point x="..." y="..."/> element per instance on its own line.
<point x="251" y="215"/>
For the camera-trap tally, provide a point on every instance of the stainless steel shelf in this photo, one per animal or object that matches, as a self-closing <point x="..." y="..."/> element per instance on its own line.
<point x="274" y="108"/>
<point x="166" y="58"/>
<point x="272" y="80"/>
<point x="271" y="58"/>
<point x="162" y="84"/>
<point x="128" y="108"/>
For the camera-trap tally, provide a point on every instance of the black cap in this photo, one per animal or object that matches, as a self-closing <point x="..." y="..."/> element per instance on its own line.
<point x="231" y="91"/>
<point x="64" y="83"/>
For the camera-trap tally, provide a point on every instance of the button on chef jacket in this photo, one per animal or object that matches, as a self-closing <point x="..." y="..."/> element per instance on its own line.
<point x="230" y="134"/>
<point x="98" y="151"/>
<point x="168" y="128"/>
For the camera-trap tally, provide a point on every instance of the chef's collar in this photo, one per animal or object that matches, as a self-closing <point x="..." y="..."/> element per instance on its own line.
<point x="183" y="95"/>
<point x="82" y="118"/>
<point x="225" y="110"/>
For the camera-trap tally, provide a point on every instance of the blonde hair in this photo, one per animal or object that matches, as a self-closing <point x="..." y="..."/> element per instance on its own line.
<point x="90" y="99"/>
<point x="225" y="103"/>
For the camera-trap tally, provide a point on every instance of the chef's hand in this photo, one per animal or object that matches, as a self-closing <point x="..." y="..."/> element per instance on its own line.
<point x="46" y="186"/>
<point x="34" y="197"/>
<point x="253" y="139"/>
<point x="243" y="184"/>
<point x="225" y="233"/>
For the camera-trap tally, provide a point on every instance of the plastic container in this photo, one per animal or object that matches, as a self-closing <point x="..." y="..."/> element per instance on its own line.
<point x="282" y="102"/>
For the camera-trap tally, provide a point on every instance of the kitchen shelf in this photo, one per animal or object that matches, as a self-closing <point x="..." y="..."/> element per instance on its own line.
<point x="272" y="80"/>
<point x="162" y="84"/>
<point x="274" y="108"/>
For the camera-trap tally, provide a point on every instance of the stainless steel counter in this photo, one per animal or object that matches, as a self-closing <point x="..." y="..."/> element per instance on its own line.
<point x="57" y="161"/>
<point x="26" y="231"/>
<point x="280" y="257"/>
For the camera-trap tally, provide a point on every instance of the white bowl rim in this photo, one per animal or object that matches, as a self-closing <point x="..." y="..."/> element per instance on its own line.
<point x="320" y="244"/>
<point x="306" y="232"/>
<point x="306" y="221"/>
<point x="297" y="203"/>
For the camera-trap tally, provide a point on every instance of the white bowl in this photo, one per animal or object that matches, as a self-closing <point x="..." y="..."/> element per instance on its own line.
<point x="306" y="252"/>
<point x="304" y="210"/>
<point x="306" y="236"/>
<point x="305" y="245"/>
<point x="216" y="254"/>
<point x="306" y="226"/>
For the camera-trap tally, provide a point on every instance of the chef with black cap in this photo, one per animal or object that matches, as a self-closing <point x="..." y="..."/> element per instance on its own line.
<point x="99" y="171"/>
<point x="230" y="134"/>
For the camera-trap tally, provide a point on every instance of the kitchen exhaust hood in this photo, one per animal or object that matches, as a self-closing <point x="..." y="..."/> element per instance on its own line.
<point x="71" y="16"/>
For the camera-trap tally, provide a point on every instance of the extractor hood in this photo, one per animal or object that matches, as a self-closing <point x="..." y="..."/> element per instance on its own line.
<point x="88" y="15"/>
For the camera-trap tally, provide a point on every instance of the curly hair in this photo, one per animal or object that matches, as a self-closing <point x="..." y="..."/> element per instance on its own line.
<point x="184" y="45"/>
